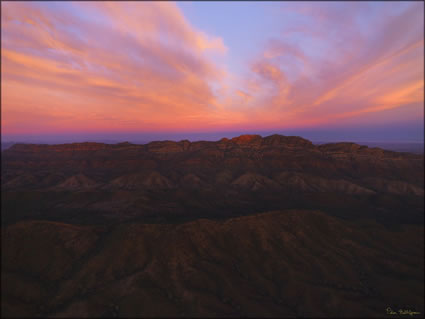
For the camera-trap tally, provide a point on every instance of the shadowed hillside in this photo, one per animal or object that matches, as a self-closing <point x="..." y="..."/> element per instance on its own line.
<point x="249" y="226"/>
<point x="288" y="263"/>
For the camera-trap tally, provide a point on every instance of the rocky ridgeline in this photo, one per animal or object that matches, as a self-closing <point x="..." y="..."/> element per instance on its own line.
<point x="239" y="174"/>
<point x="168" y="146"/>
<point x="255" y="162"/>
<point x="254" y="142"/>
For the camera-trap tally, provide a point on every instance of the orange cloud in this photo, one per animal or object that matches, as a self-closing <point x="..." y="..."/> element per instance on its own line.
<point x="384" y="74"/>
<point x="131" y="78"/>
<point x="142" y="66"/>
<point x="245" y="96"/>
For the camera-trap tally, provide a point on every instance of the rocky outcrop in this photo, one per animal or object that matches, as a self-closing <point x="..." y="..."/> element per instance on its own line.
<point x="289" y="141"/>
<point x="20" y="181"/>
<point x="311" y="183"/>
<point x="129" y="181"/>
<point x="255" y="182"/>
<point x="78" y="181"/>
<point x="142" y="180"/>
<point x="247" y="139"/>
<point x="156" y="180"/>
<point x="394" y="187"/>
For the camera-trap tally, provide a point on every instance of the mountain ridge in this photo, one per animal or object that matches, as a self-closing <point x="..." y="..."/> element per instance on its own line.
<point x="166" y="179"/>
<point x="275" y="139"/>
<point x="248" y="226"/>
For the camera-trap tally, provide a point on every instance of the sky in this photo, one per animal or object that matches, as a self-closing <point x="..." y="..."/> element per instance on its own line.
<point x="326" y="71"/>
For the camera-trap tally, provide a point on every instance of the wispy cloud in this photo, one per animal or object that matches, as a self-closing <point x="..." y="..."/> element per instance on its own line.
<point x="382" y="71"/>
<point x="138" y="60"/>
<point x="139" y="66"/>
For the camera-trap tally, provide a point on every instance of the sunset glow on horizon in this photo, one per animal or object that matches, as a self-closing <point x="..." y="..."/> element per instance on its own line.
<point x="70" y="67"/>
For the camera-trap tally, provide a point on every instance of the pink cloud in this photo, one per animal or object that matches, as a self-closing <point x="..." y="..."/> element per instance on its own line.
<point x="384" y="72"/>
<point x="133" y="69"/>
<point x="124" y="75"/>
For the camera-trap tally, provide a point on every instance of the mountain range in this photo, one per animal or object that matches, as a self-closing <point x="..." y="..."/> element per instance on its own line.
<point x="248" y="226"/>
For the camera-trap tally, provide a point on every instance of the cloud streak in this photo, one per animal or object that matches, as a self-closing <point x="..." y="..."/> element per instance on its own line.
<point x="142" y="66"/>
<point x="384" y="71"/>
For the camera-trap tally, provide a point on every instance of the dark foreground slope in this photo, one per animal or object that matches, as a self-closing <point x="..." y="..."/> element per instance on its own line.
<point x="251" y="226"/>
<point x="284" y="263"/>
